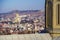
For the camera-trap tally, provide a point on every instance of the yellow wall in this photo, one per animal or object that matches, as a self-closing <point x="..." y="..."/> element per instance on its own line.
<point x="55" y="26"/>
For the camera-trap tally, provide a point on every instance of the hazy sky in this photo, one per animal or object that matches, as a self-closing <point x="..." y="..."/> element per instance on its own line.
<point x="9" y="5"/>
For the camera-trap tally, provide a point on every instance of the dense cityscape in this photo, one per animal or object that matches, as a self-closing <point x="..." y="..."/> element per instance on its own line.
<point x="26" y="22"/>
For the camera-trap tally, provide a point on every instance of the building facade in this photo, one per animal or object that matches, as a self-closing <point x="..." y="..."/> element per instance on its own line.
<point x="53" y="17"/>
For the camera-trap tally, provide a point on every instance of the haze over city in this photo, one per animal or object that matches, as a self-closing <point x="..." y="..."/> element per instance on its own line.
<point x="22" y="17"/>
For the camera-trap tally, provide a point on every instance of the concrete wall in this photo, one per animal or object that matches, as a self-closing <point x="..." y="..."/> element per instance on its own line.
<point x="43" y="36"/>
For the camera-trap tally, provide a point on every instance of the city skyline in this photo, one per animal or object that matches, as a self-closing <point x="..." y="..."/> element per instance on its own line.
<point x="9" y="5"/>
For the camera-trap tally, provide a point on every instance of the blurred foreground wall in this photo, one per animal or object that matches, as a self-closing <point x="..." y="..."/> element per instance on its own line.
<point x="43" y="36"/>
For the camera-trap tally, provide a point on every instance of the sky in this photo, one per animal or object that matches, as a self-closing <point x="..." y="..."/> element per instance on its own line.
<point x="9" y="5"/>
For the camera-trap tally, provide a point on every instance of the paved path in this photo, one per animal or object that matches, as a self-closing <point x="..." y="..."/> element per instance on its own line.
<point x="44" y="36"/>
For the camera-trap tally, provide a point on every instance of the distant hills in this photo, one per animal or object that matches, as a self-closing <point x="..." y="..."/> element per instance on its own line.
<point x="24" y="12"/>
